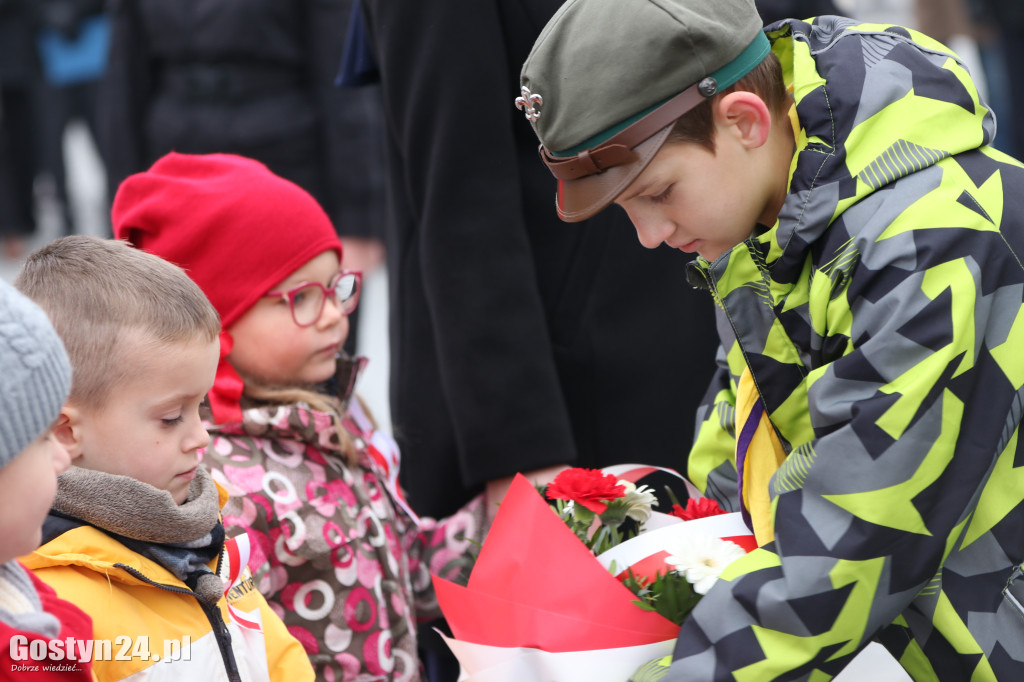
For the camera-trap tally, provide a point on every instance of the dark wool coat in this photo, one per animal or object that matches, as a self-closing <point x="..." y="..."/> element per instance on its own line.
<point x="249" y="77"/>
<point x="518" y="341"/>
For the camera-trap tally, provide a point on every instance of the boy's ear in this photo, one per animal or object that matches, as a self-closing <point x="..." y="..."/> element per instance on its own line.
<point x="68" y="432"/>
<point x="745" y="115"/>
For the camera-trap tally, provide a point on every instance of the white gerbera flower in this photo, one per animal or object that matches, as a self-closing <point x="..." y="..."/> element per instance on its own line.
<point x="638" y="501"/>
<point x="701" y="559"/>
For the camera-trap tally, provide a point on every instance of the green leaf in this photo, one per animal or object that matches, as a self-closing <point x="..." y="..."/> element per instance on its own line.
<point x="669" y="594"/>
<point x="671" y="495"/>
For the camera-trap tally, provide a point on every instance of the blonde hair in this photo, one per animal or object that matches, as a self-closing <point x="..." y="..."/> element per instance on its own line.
<point x="260" y="395"/>
<point x="98" y="291"/>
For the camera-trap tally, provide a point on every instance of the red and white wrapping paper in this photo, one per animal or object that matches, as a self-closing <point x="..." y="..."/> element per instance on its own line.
<point x="645" y="554"/>
<point x="539" y="606"/>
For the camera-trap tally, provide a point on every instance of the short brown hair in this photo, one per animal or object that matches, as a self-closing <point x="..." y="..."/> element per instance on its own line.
<point x="96" y="291"/>
<point x="697" y="126"/>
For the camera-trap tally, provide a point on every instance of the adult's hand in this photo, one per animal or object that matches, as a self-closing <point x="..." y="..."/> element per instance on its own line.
<point x="497" y="488"/>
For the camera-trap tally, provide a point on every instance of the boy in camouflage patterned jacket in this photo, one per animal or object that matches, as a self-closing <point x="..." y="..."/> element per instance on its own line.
<point x="864" y="246"/>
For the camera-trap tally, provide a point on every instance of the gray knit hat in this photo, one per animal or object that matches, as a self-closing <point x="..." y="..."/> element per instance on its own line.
<point x="35" y="374"/>
<point x="607" y="79"/>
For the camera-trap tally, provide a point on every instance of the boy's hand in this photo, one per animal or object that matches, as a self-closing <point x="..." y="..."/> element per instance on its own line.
<point x="651" y="671"/>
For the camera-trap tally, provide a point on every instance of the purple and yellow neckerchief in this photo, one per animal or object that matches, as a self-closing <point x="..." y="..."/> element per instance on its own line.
<point x="759" y="454"/>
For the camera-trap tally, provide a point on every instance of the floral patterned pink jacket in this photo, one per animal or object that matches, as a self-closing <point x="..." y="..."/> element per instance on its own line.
<point x="332" y="548"/>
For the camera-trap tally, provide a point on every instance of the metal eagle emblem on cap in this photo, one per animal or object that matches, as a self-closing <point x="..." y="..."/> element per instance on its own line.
<point x="531" y="103"/>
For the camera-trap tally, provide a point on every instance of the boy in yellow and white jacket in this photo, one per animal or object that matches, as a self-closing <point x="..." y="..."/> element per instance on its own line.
<point x="135" y="536"/>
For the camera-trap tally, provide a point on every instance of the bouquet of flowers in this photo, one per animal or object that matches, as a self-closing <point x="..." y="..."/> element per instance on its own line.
<point x="589" y="583"/>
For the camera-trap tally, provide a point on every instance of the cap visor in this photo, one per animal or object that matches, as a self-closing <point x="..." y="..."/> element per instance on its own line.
<point x="580" y="199"/>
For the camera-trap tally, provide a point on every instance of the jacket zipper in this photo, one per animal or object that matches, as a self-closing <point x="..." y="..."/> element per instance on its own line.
<point x="701" y="278"/>
<point x="220" y="628"/>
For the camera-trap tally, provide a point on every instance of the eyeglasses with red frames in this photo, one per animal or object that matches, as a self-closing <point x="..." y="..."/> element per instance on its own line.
<point x="307" y="300"/>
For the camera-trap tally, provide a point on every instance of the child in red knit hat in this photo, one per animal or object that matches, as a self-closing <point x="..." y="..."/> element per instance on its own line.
<point x="335" y="548"/>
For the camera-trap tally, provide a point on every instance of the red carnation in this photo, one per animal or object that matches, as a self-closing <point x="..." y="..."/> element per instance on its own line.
<point x="697" y="509"/>
<point x="588" y="487"/>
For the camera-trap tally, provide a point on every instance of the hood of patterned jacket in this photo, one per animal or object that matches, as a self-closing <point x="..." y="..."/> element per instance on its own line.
<point x="874" y="104"/>
<point x="880" y="112"/>
<point x="881" y="320"/>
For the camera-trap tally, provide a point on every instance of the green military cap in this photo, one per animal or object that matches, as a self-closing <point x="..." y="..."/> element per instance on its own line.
<point x="607" y="79"/>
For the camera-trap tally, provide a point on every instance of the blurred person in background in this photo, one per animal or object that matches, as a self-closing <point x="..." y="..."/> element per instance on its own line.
<point x="1004" y="55"/>
<point x="72" y="37"/>
<point x="773" y="10"/>
<point x="897" y="12"/>
<point x="254" y="79"/>
<point x="20" y="137"/>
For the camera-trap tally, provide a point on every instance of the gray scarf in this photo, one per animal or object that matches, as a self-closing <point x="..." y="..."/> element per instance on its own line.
<point x="181" y="538"/>
<point x="20" y="606"/>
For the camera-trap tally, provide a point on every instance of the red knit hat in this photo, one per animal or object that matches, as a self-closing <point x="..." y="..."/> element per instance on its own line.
<point x="234" y="226"/>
